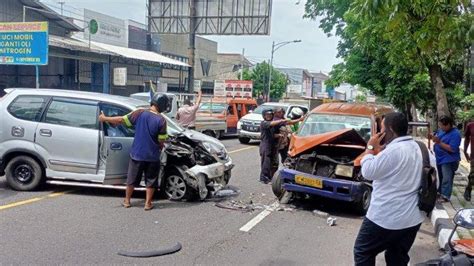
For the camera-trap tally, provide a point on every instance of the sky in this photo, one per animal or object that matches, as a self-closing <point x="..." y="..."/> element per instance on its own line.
<point x="316" y="52"/>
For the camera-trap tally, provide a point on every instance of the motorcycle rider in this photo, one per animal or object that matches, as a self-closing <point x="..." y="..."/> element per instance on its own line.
<point x="268" y="144"/>
<point x="150" y="134"/>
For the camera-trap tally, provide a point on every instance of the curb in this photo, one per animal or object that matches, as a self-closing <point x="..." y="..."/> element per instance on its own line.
<point x="443" y="226"/>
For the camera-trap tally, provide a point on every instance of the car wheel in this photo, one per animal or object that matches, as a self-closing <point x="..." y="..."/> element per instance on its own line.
<point x="24" y="173"/>
<point x="362" y="206"/>
<point x="277" y="187"/>
<point x="244" y="140"/>
<point x="176" y="187"/>
<point x="210" y="133"/>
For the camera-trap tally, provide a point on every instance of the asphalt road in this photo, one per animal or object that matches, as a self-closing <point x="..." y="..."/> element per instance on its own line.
<point x="89" y="226"/>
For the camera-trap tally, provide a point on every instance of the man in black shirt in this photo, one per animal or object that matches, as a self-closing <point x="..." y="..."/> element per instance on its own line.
<point x="268" y="144"/>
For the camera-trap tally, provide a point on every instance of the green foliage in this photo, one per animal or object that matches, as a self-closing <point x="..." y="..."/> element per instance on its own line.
<point x="260" y="74"/>
<point x="467" y="114"/>
<point x="392" y="47"/>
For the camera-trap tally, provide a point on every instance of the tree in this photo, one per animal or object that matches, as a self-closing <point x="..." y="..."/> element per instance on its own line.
<point x="260" y="74"/>
<point x="404" y="50"/>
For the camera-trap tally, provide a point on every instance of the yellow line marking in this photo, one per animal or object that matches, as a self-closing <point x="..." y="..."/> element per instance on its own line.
<point x="28" y="201"/>
<point x="243" y="149"/>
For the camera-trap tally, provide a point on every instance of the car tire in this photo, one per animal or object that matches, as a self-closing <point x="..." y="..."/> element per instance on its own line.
<point x="24" y="173"/>
<point x="362" y="206"/>
<point x="176" y="189"/>
<point x="277" y="186"/>
<point x="210" y="133"/>
<point x="244" y="140"/>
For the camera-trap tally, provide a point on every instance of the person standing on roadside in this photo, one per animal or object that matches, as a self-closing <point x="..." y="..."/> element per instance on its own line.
<point x="469" y="141"/>
<point x="268" y="144"/>
<point x="447" y="141"/>
<point x="393" y="218"/>
<point x="186" y="115"/>
<point x="150" y="134"/>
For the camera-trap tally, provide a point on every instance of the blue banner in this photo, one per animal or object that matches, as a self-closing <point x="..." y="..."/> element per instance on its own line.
<point x="24" y="43"/>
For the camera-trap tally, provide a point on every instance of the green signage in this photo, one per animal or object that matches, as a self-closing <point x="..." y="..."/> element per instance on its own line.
<point x="93" y="26"/>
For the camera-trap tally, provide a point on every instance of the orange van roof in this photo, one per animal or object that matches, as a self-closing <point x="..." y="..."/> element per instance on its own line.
<point x="362" y="109"/>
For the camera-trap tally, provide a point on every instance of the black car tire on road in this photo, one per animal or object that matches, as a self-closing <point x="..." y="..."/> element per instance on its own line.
<point x="277" y="187"/>
<point x="24" y="173"/>
<point x="362" y="206"/>
<point x="244" y="140"/>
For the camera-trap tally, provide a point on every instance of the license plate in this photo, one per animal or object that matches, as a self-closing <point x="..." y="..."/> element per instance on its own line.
<point x="312" y="182"/>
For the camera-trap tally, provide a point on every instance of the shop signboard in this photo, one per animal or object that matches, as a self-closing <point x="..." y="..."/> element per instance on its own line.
<point x="24" y="43"/>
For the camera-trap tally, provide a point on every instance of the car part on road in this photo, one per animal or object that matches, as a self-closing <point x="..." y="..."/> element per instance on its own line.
<point x="155" y="253"/>
<point x="24" y="173"/>
<point x="331" y="221"/>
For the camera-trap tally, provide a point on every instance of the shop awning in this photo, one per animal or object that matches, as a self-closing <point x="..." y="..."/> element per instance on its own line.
<point x="139" y="54"/>
<point x="76" y="45"/>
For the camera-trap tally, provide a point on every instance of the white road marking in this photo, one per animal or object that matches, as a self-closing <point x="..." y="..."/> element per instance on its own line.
<point x="257" y="219"/>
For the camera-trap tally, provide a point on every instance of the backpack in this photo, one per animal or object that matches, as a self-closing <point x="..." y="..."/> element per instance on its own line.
<point x="428" y="191"/>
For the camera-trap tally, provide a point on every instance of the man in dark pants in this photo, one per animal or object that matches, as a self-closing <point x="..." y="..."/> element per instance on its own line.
<point x="268" y="151"/>
<point x="469" y="141"/>
<point x="393" y="218"/>
<point x="150" y="133"/>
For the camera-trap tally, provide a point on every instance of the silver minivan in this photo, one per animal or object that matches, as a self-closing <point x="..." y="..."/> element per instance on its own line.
<point x="54" y="136"/>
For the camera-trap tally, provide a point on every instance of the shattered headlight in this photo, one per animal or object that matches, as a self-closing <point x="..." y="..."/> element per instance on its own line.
<point x="216" y="151"/>
<point x="344" y="170"/>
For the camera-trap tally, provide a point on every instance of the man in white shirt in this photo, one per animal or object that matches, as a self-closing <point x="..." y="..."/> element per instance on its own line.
<point x="393" y="218"/>
<point x="186" y="115"/>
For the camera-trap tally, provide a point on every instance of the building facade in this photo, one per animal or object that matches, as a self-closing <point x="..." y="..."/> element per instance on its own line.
<point x="299" y="81"/>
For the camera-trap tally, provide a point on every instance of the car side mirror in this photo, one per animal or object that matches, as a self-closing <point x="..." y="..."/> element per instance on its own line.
<point x="465" y="218"/>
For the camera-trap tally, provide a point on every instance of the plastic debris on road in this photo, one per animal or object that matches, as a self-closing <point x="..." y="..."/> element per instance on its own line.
<point x="321" y="213"/>
<point x="331" y="221"/>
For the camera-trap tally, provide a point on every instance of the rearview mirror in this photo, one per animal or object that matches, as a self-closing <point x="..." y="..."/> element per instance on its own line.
<point x="465" y="218"/>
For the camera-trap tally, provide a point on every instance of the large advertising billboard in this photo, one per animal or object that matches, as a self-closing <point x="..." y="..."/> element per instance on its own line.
<point x="213" y="17"/>
<point x="24" y="43"/>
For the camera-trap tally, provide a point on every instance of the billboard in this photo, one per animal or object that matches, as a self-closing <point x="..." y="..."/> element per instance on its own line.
<point x="213" y="17"/>
<point x="105" y="29"/>
<point x="238" y="88"/>
<point x="24" y="43"/>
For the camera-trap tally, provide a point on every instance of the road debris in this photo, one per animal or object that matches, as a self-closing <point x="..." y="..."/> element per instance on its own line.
<point x="331" y="221"/>
<point x="155" y="253"/>
<point x="321" y="213"/>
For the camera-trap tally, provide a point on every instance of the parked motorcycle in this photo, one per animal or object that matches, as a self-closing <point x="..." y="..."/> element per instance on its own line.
<point x="460" y="252"/>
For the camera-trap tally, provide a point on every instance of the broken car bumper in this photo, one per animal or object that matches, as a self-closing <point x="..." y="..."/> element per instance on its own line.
<point x="337" y="189"/>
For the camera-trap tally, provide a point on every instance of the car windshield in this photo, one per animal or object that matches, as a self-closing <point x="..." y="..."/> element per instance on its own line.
<point x="215" y="108"/>
<point x="260" y="109"/>
<point x="173" y="128"/>
<point x="322" y="123"/>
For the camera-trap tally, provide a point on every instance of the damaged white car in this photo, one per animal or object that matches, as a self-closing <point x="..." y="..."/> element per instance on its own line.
<point x="54" y="136"/>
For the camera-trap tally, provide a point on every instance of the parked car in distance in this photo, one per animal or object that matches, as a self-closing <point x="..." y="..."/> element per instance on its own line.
<point x="54" y="136"/>
<point x="229" y="108"/>
<point x="324" y="156"/>
<point x="248" y="127"/>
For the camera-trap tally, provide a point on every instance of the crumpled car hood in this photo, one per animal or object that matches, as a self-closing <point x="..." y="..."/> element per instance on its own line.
<point x="347" y="136"/>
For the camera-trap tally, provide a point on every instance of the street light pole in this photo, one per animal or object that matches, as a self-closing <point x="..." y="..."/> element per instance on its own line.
<point x="275" y="47"/>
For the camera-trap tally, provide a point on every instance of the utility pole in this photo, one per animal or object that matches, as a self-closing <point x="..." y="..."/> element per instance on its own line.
<point x="62" y="4"/>
<point x="192" y="44"/>
<point x="242" y="64"/>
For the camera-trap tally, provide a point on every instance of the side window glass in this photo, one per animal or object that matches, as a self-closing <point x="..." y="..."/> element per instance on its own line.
<point x="239" y="110"/>
<point x="120" y="130"/>
<point x="250" y="107"/>
<point x="73" y="114"/>
<point x="230" y="110"/>
<point x="27" y="108"/>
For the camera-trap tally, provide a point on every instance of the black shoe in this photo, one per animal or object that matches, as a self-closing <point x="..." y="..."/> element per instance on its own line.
<point x="264" y="180"/>
<point x="467" y="194"/>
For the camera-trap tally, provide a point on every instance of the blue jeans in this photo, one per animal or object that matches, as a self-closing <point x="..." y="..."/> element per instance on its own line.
<point x="446" y="175"/>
